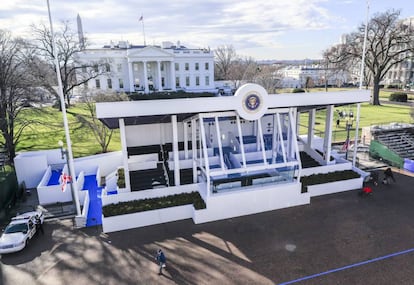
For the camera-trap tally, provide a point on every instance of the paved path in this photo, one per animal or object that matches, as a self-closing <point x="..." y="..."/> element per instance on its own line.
<point x="337" y="239"/>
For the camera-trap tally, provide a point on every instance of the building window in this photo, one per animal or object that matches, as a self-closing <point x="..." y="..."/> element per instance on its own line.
<point x="177" y="66"/>
<point x="108" y="67"/>
<point x="119" y="67"/>
<point x="187" y="66"/>
<point x="83" y="68"/>
<point x="197" y="81"/>
<point x="98" y="84"/>
<point x="135" y="67"/>
<point x="197" y="67"/>
<point x="162" y="81"/>
<point x="109" y="82"/>
<point x="177" y="81"/>
<point x="95" y="68"/>
<point x="162" y="66"/>
<point x="187" y="81"/>
<point x="206" y="66"/>
<point x="207" y="80"/>
<point x="121" y="83"/>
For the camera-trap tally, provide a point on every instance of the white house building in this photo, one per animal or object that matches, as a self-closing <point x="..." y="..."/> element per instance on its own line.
<point x="132" y="68"/>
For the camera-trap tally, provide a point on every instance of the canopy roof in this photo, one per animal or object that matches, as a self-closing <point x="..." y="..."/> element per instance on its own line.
<point x="160" y="111"/>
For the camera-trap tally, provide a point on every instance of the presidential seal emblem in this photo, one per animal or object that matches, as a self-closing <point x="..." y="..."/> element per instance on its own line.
<point x="252" y="102"/>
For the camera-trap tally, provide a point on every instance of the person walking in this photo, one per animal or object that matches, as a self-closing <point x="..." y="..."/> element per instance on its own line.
<point x="39" y="225"/>
<point x="388" y="176"/>
<point x="162" y="260"/>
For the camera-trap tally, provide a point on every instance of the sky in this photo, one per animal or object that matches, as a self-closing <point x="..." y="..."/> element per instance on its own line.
<point x="262" y="29"/>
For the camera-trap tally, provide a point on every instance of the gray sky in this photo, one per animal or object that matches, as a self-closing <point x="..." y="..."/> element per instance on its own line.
<point x="263" y="29"/>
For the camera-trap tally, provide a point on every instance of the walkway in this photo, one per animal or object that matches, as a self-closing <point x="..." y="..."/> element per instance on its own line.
<point x="95" y="205"/>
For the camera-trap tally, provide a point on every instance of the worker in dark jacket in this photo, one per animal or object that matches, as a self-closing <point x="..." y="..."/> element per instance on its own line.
<point x="161" y="260"/>
<point x="388" y="176"/>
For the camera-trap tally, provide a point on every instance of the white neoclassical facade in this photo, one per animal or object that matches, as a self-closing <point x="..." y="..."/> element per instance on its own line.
<point x="145" y="69"/>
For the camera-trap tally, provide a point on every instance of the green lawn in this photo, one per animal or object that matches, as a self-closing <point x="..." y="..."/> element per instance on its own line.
<point x="369" y="116"/>
<point x="47" y="130"/>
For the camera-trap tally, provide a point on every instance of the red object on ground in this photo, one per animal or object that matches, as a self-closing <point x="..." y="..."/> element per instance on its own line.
<point x="367" y="190"/>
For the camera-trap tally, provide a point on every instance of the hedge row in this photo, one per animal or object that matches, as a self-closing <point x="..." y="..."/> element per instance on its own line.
<point x="169" y="95"/>
<point x="398" y="97"/>
<point x="326" y="178"/>
<point x="298" y="90"/>
<point x="142" y="205"/>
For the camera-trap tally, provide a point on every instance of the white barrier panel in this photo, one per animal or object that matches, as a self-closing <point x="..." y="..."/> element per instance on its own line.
<point x="143" y="157"/>
<point x="54" y="194"/>
<point x="134" y="166"/>
<point x="251" y="201"/>
<point x="335" y="187"/>
<point x="142" y="219"/>
<point x="326" y="168"/>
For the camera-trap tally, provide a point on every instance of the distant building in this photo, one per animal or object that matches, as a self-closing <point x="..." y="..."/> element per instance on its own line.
<point x="144" y="69"/>
<point x="298" y="76"/>
<point x="401" y="74"/>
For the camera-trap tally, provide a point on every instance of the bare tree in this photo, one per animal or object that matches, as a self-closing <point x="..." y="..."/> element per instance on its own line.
<point x="266" y="76"/>
<point x="15" y="91"/>
<point x="102" y="133"/>
<point x="390" y="41"/>
<point x="243" y="70"/>
<point x="224" y="58"/>
<point x="73" y="72"/>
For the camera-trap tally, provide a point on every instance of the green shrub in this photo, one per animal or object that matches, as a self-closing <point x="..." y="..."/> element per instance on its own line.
<point x="121" y="178"/>
<point x="326" y="178"/>
<point x="398" y="97"/>
<point x="142" y="205"/>
<point x="298" y="90"/>
<point x="169" y="95"/>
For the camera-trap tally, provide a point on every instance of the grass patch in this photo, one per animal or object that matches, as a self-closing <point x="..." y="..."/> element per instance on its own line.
<point x="369" y="115"/>
<point x="47" y="130"/>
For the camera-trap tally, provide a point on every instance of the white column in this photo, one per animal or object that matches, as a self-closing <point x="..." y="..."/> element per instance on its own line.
<point x="220" y="145"/>
<point x="122" y="135"/>
<point x="239" y="130"/>
<point x="295" y="145"/>
<point x="194" y="148"/>
<point x="172" y="74"/>
<point x="311" y="126"/>
<point x="175" y="150"/>
<point x="297" y="126"/>
<point x="131" y="77"/>
<point x="185" y="126"/>
<point x="275" y="143"/>
<point x="327" y="141"/>
<point x="203" y="146"/>
<point x="282" y="143"/>
<point x="146" y="89"/>
<point x="159" y="75"/>
<point x="260" y="135"/>
<point x="356" y="135"/>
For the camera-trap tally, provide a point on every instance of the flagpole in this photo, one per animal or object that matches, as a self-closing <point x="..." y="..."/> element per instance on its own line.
<point x="361" y="76"/>
<point x="65" y="119"/>
<point x="143" y="28"/>
<point x="364" y="49"/>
